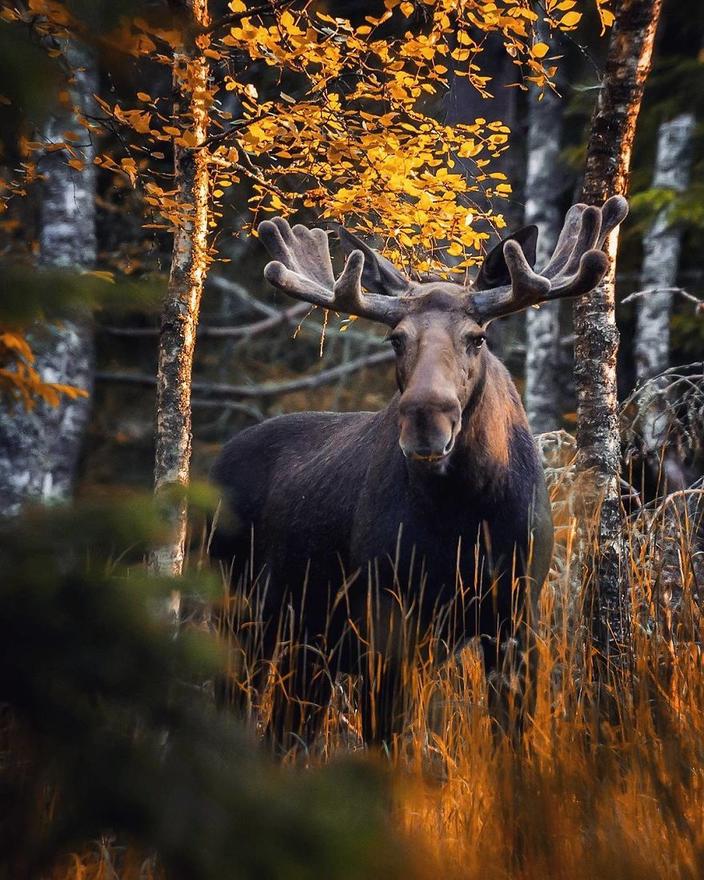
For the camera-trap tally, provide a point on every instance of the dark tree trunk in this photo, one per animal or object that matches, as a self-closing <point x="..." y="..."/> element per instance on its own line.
<point x="179" y="318"/>
<point x="543" y="208"/>
<point x="39" y="450"/>
<point x="596" y="335"/>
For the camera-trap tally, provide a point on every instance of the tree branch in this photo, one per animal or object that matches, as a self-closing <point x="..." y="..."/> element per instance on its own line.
<point x="270" y="389"/>
<point x="678" y="291"/>
<point x="236" y="17"/>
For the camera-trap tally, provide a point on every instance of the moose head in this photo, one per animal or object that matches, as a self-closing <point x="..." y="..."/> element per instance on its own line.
<point x="438" y="329"/>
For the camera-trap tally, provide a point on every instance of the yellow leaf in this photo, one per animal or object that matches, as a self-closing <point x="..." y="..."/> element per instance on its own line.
<point x="69" y="390"/>
<point x="17" y="343"/>
<point x="570" y="19"/>
<point x="540" y="50"/>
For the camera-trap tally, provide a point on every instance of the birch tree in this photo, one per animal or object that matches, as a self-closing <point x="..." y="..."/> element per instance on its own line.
<point x="596" y="335"/>
<point x="179" y="318"/>
<point x="661" y="252"/>
<point x="40" y="447"/>
<point x="543" y="209"/>
<point x="661" y="249"/>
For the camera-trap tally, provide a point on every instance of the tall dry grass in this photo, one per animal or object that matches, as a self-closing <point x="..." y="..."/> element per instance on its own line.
<point x="581" y="792"/>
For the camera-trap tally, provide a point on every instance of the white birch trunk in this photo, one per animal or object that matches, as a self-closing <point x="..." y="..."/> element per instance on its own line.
<point x="39" y="450"/>
<point x="661" y="249"/>
<point x="661" y="254"/>
<point x="543" y="209"/>
<point x="179" y="318"/>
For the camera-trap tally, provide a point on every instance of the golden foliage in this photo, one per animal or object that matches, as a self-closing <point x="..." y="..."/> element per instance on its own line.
<point x="357" y="143"/>
<point x="20" y="382"/>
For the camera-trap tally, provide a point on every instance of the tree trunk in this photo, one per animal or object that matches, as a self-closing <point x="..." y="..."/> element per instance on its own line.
<point x="543" y="209"/>
<point x="661" y="249"/>
<point x="39" y="450"/>
<point x="661" y="254"/>
<point x="596" y="336"/>
<point x="181" y="307"/>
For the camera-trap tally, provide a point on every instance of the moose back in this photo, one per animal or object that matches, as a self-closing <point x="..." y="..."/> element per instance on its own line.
<point x="441" y="494"/>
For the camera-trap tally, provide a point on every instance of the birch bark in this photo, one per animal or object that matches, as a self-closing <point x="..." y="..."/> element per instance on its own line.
<point x="596" y="335"/>
<point x="543" y="209"/>
<point x="179" y="317"/>
<point x="39" y="450"/>
<point x="661" y="249"/>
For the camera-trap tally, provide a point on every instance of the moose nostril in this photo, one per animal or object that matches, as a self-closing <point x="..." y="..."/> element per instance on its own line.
<point x="448" y="446"/>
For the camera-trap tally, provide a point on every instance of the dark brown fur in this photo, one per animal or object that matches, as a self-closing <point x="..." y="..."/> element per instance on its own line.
<point x="315" y="498"/>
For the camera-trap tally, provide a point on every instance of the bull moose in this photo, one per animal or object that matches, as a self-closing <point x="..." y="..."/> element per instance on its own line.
<point x="440" y="493"/>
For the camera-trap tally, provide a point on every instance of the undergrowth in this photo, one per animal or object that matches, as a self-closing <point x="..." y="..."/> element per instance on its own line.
<point x="581" y="792"/>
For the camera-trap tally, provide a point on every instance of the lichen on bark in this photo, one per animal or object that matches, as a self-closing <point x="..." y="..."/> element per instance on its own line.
<point x="596" y="335"/>
<point x="179" y="318"/>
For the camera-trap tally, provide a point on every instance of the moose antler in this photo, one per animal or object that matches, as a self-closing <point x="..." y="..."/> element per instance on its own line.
<point x="302" y="268"/>
<point x="577" y="265"/>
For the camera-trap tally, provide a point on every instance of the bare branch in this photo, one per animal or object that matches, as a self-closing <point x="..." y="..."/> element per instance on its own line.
<point x="270" y="389"/>
<point x="273" y="321"/>
<point x="232" y="405"/>
<point x="678" y="291"/>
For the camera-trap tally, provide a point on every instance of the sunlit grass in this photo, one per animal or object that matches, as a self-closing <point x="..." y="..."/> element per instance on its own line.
<point x="581" y="793"/>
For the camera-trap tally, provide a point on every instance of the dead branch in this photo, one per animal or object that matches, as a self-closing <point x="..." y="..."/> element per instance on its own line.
<point x="245" y="330"/>
<point x="270" y="389"/>
<point x="677" y="291"/>
<point x="232" y="405"/>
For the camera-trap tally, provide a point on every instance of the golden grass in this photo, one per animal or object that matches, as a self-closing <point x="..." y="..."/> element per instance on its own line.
<point x="578" y="794"/>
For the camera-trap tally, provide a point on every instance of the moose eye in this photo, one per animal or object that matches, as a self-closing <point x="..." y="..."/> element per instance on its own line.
<point x="474" y="343"/>
<point x="397" y="343"/>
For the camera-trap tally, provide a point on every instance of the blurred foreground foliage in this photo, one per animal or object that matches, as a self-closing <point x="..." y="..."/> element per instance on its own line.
<point x="106" y="724"/>
<point x="33" y="294"/>
<point x="32" y="297"/>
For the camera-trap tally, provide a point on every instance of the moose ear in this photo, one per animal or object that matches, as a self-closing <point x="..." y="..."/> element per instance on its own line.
<point x="494" y="271"/>
<point x="378" y="275"/>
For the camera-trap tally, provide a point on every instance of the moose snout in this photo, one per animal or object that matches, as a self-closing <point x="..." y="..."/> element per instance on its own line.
<point x="428" y="427"/>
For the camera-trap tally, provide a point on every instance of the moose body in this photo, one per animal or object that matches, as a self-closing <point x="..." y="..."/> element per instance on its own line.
<point x="439" y="495"/>
<point x="320" y="496"/>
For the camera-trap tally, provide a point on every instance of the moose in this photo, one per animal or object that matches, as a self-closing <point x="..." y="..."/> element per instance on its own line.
<point x="438" y="495"/>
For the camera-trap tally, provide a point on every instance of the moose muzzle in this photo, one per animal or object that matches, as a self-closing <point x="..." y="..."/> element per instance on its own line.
<point x="429" y="426"/>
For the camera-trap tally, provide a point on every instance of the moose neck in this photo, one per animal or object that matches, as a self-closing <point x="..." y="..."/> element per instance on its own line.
<point x="490" y="420"/>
